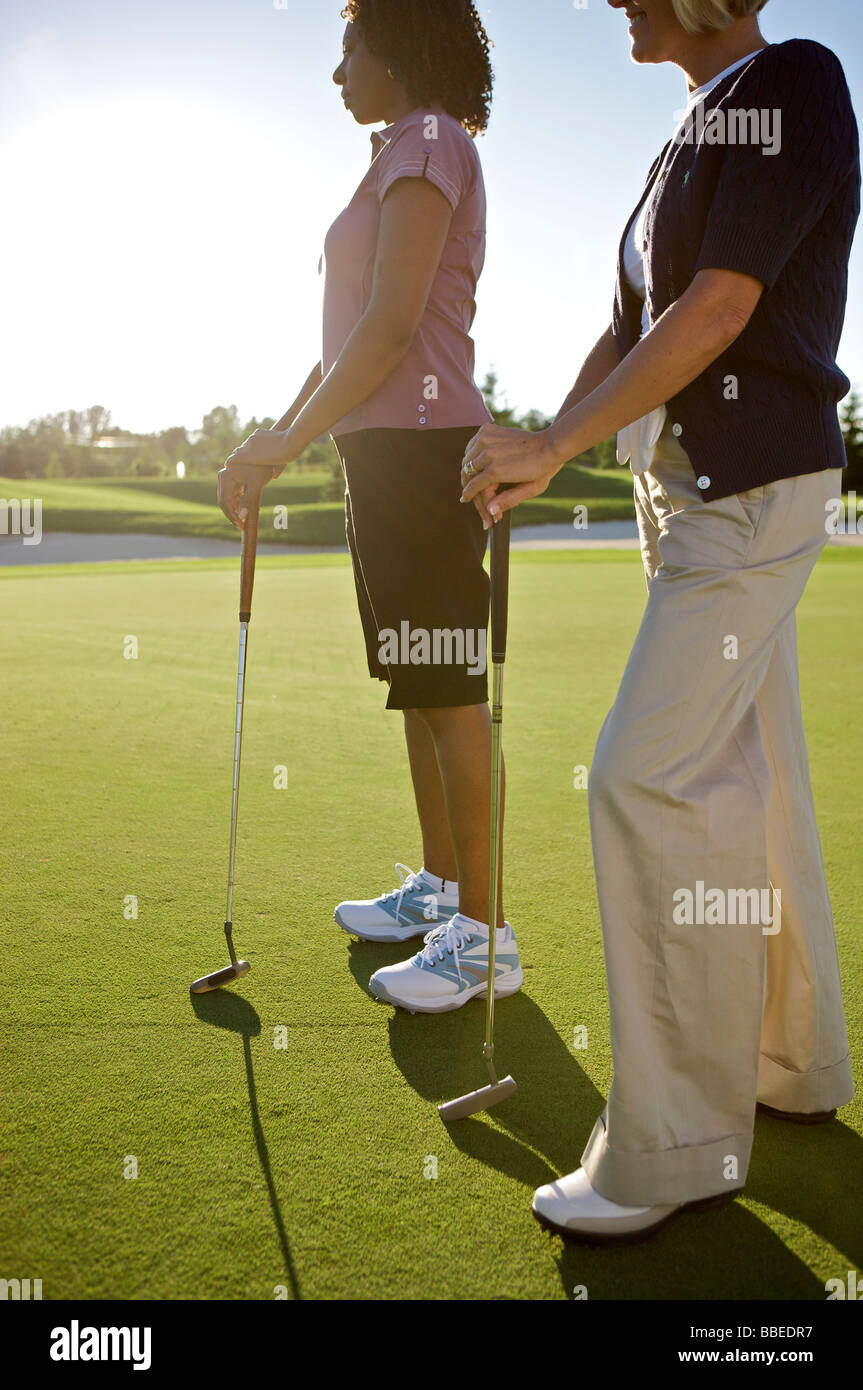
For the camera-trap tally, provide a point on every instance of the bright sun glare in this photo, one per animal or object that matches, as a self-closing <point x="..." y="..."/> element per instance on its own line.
<point x="133" y="255"/>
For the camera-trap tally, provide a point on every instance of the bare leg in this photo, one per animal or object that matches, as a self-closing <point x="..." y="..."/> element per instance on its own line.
<point x="438" y="853"/>
<point x="462" y="741"/>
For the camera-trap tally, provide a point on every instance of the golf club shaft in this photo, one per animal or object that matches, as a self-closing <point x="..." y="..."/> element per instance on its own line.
<point x="500" y="538"/>
<point x="238" y="748"/>
<point x="247" y="583"/>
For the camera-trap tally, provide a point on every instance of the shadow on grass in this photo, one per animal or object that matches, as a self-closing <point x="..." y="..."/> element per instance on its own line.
<point x="222" y="1009"/>
<point x="805" y="1173"/>
<point x="440" y="1056"/>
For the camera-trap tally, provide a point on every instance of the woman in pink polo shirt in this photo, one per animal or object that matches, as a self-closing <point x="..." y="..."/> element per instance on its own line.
<point x="395" y="388"/>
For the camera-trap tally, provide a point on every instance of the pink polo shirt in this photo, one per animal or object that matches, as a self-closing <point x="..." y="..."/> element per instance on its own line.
<point x="433" y="385"/>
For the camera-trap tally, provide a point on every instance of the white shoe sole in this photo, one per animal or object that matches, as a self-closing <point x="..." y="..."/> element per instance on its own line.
<point x="592" y="1236"/>
<point x="507" y="984"/>
<point x="390" y="934"/>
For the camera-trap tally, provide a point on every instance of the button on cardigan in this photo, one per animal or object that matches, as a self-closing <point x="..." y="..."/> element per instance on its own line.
<point x="781" y="208"/>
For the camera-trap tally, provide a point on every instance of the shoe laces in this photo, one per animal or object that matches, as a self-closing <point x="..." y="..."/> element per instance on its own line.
<point x="444" y="940"/>
<point x="410" y="883"/>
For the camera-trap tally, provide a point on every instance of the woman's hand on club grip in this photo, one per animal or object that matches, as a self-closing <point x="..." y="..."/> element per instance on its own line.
<point x="238" y="483"/>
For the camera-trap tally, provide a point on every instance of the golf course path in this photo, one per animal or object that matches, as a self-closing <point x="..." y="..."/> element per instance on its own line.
<point x="64" y="548"/>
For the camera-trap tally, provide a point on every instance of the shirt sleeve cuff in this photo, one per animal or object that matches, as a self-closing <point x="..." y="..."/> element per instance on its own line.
<point x="748" y="251"/>
<point x="421" y="169"/>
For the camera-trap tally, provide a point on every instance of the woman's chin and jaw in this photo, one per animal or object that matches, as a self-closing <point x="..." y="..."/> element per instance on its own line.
<point x="654" y="31"/>
<point x="364" y="112"/>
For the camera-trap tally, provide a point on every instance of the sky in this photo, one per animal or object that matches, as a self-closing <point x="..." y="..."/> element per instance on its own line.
<point x="170" y="168"/>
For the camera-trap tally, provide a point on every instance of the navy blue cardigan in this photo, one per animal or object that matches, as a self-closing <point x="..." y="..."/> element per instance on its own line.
<point x="786" y="218"/>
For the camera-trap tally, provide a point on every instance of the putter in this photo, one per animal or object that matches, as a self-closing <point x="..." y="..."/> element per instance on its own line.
<point x="496" y="1091"/>
<point x="257" y="476"/>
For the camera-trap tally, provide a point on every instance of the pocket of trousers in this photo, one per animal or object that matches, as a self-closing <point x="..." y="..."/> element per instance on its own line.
<point x="670" y="482"/>
<point x="751" y="504"/>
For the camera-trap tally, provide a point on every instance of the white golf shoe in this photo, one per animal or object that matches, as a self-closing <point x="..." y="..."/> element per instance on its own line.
<point x="413" y="909"/>
<point x="451" y="968"/>
<point x="572" y="1208"/>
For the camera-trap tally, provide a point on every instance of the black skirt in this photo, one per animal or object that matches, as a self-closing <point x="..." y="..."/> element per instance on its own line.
<point x="417" y="553"/>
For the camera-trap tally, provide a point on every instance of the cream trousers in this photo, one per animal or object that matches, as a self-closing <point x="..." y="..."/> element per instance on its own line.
<point x="699" y="793"/>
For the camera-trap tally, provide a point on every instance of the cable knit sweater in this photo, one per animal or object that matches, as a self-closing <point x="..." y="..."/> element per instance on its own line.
<point x="766" y="408"/>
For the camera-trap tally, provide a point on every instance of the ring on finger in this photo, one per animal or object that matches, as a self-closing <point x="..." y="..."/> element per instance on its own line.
<point x="469" y="469"/>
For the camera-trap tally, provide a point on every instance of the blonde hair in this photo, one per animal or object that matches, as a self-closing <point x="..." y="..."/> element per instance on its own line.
<point x="698" y="16"/>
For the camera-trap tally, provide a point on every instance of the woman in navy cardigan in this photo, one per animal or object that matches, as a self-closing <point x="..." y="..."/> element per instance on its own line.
<point x="718" y="375"/>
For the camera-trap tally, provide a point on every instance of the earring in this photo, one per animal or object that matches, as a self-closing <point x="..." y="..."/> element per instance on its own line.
<point x="390" y="75"/>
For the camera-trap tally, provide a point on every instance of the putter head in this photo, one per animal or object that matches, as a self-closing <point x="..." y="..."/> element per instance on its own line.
<point x="483" y="1099"/>
<point x="220" y="978"/>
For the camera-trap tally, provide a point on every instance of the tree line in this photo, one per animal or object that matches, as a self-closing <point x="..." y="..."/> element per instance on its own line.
<point x="85" y="444"/>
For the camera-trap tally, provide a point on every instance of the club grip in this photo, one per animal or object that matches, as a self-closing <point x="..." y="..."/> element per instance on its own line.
<point x="256" y="480"/>
<point x="500" y="534"/>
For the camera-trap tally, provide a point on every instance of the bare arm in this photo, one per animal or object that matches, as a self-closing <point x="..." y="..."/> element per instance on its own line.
<point x="598" y="365"/>
<point x="313" y="381"/>
<point x="600" y="362"/>
<point x="690" y="335"/>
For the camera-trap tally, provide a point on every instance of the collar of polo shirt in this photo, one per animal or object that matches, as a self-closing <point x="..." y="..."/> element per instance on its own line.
<point x="379" y="138"/>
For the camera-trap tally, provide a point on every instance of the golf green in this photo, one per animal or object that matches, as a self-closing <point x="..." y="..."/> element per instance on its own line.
<point x="282" y="1138"/>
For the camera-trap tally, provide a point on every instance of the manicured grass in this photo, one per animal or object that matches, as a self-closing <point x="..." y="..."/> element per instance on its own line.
<point x="290" y="488"/>
<point x="102" y="506"/>
<point x="304" y="1166"/>
<point x="188" y="508"/>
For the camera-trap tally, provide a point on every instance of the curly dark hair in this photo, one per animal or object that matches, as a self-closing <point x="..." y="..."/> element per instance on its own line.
<point x="437" y="49"/>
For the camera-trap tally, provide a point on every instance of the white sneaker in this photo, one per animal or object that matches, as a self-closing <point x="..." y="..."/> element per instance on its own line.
<point x="571" y="1207"/>
<point x="414" y="909"/>
<point x="451" y="968"/>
